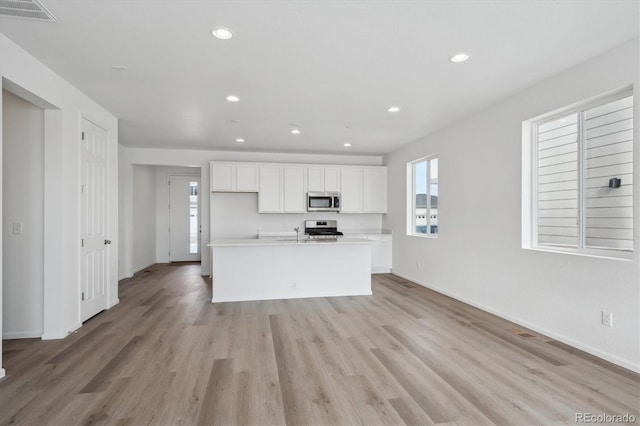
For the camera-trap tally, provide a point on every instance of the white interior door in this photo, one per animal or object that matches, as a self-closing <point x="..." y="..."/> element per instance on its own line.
<point x="94" y="209"/>
<point x="184" y="221"/>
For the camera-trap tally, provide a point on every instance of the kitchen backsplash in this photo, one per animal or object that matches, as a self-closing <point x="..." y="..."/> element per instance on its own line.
<point x="235" y="215"/>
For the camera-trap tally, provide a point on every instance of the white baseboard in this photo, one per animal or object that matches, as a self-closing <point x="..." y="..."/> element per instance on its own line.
<point x="2" y="373"/>
<point x="285" y="296"/>
<point x="380" y="270"/>
<point x="144" y="267"/>
<point x="125" y="276"/>
<point x="21" y="334"/>
<point x="549" y="333"/>
<point x="60" y="335"/>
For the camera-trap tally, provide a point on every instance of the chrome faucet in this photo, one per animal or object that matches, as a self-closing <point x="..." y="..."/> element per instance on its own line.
<point x="297" y="229"/>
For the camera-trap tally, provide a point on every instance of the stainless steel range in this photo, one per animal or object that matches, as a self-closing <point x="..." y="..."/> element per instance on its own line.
<point x="322" y="229"/>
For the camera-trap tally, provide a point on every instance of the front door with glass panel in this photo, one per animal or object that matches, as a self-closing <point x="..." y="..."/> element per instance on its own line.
<point x="184" y="221"/>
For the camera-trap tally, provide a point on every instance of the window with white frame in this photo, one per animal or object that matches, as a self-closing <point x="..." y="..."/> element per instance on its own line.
<point x="422" y="196"/>
<point x="582" y="177"/>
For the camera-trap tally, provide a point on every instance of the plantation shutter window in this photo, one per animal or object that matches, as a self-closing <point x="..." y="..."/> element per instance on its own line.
<point x="608" y="147"/>
<point x="558" y="182"/>
<point x="584" y="177"/>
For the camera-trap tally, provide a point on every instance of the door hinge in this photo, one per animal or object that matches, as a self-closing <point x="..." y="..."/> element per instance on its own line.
<point x="82" y="135"/>
<point x="82" y="189"/>
<point x="83" y="295"/>
<point x="83" y="242"/>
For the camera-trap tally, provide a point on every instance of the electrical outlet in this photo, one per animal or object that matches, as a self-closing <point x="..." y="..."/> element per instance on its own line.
<point x="17" y="227"/>
<point x="607" y="319"/>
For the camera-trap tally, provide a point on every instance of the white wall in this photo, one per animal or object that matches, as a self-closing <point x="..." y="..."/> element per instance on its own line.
<point x="125" y="215"/>
<point x="477" y="256"/>
<point x="65" y="106"/>
<point x="144" y="217"/>
<point x="162" y="206"/>
<point x="23" y="202"/>
<point x="199" y="158"/>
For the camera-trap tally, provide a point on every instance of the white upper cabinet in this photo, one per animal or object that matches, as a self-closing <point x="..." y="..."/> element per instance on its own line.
<point x="323" y="179"/>
<point x="364" y="189"/>
<point x="374" y="190"/>
<point x="270" y="199"/>
<point x="351" y="189"/>
<point x="282" y="188"/>
<point x="294" y="190"/>
<point x="222" y="177"/>
<point x="332" y="179"/>
<point x="234" y="177"/>
<point x="247" y="178"/>
<point x="315" y="178"/>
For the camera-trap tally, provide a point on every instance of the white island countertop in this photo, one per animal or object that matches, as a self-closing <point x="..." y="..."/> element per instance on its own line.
<point x="285" y="241"/>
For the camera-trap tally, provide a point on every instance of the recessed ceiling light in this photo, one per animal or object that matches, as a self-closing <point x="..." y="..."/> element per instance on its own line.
<point x="347" y="145"/>
<point x="394" y="109"/>
<point x="233" y="98"/>
<point x="240" y="140"/>
<point x="295" y="132"/>
<point x="222" y="33"/>
<point x="459" y="57"/>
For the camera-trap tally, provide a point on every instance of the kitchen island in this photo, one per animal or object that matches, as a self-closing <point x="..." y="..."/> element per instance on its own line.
<point x="272" y="268"/>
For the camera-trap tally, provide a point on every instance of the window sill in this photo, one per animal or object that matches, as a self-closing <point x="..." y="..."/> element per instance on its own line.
<point x="615" y="255"/>
<point x="433" y="237"/>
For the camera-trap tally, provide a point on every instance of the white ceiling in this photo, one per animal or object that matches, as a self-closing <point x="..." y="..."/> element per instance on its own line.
<point x="322" y="65"/>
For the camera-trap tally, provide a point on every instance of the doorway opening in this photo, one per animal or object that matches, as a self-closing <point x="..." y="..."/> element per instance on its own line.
<point x="194" y="220"/>
<point x="23" y="183"/>
<point x="184" y="220"/>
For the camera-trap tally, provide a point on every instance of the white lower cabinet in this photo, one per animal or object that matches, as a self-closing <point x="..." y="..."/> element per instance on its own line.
<point x="381" y="252"/>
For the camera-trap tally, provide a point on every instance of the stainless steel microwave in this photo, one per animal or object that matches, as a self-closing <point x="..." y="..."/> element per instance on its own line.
<point x="323" y="201"/>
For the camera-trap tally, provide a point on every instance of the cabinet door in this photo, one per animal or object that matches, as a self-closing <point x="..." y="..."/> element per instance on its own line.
<point x="381" y="256"/>
<point x="332" y="179"/>
<point x="294" y="195"/>
<point x="270" y="194"/>
<point x="351" y="189"/>
<point x="374" y="187"/>
<point x="223" y="177"/>
<point x="247" y="178"/>
<point x="315" y="179"/>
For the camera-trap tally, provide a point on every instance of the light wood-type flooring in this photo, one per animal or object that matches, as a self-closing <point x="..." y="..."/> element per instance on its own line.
<point x="406" y="355"/>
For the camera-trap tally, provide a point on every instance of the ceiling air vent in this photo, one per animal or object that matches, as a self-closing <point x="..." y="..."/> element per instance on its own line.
<point x="26" y="9"/>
